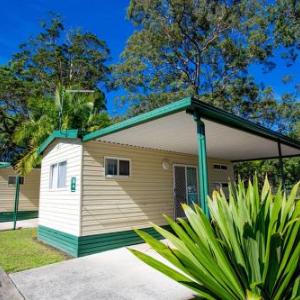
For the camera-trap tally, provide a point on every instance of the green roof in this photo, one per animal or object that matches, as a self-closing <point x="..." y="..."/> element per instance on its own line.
<point x="61" y="134"/>
<point x="142" y="118"/>
<point x="190" y="105"/>
<point x="194" y="106"/>
<point x="218" y="115"/>
<point x="4" y="165"/>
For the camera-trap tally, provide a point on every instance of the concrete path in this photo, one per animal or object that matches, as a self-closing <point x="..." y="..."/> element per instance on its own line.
<point x="8" y="291"/>
<point x="111" y="275"/>
<point x="20" y="224"/>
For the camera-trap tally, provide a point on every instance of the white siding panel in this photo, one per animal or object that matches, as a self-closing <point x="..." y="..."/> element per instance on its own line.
<point x="29" y="191"/>
<point x="110" y="205"/>
<point x="60" y="209"/>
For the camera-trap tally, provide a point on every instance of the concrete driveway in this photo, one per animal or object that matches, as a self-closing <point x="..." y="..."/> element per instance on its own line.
<point x="112" y="275"/>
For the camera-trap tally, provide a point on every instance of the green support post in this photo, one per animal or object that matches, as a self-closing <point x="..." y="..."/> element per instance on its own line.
<point x="281" y="165"/>
<point x="17" y="197"/>
<point x="202" y="165"/>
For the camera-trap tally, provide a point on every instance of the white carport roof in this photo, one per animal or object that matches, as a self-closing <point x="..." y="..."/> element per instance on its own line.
<point x="173" y="128"/>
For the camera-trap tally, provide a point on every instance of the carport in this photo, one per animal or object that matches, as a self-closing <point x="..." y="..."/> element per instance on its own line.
<point x="194" y="127"/>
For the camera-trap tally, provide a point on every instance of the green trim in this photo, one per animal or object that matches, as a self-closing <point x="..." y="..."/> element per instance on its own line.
<point x="202" y="165"/>
<point x="8" y="216"/>
<point x="189" y="104"/>
<point x="265" y="158"/>
<point x="58" y="134"/>
<point x="163" y="111"/>
<point x="101" y="242"/>
<point x="90" y="244"/>
<point x="17" y="198"/>
<point x="204" y="110"/>
<point x="4" y="165"/>
<point x="210" y="112"/>
<point x="58" y="239"/>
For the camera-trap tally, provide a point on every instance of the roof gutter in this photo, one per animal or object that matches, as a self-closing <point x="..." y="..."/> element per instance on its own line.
<point x="220" y="116"/>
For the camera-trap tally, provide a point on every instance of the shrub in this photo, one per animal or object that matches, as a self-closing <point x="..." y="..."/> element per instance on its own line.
<point x="249" y="249"/>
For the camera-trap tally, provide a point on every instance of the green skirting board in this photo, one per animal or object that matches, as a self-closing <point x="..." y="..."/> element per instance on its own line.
<point x="85" y="245"/>
<point x="7" y="216"/>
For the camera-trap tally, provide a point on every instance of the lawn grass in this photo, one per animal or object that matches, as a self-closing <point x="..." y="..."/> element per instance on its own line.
<point x="20" y="250"/>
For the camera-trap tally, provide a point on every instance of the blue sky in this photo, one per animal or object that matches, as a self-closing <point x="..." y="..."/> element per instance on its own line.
<point x="20" y="20"/>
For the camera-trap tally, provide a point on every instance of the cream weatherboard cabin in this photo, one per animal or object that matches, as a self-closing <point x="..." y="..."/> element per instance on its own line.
<point x="97" y="188"/>
<point x="28" y="197"/>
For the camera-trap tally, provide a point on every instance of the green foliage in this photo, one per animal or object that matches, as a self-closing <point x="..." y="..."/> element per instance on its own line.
<point x="286" y="16"/>
<point x="59" y="57"/>
<point x="271" y="167"/>
<point x="244" y="170"/>
<point x="205" y="48"/>
<point x="76" y="110"/>
<point x="53" y="59"/>
<point x="187" y="47"/>
<point x="249" y="250"/>
<point x="13" y="109"/>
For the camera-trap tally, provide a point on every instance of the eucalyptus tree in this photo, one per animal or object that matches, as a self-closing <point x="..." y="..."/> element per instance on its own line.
<point x="194" y="47"/>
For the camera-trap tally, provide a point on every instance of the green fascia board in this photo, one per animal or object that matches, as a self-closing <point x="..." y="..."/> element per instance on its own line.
<point x="204" y="110"/>
<point x="143" y="118"/>
<point x="85" y="245"/>
<point x="266" y="158"/>
<point x="4" y="165"/>
<point x="7" y="216"/>
<point x="191" y="105"/>
<point x="58" y="134"/>
<point x="220" y="116"/>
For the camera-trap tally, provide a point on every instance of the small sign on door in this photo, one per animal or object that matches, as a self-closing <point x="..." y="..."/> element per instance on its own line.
<point x="73" y="184"/>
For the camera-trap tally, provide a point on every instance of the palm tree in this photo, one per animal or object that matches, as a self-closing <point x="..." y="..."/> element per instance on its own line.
<point x="66" y="110"/>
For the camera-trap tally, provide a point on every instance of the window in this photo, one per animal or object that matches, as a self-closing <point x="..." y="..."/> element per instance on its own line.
<point x="220" y="167"/>
<point x="124" y="167"/>
<point x="58" y="174"/>
<point x="117" y="167"/>
<point x="220" y="185"/>
<point x="13" y="179"/>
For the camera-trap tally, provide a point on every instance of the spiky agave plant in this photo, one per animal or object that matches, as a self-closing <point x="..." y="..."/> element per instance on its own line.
<point x="250" y="249"/>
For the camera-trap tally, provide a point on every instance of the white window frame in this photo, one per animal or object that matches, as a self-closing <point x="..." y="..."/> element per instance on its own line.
<point x="16" y="179"/>
<point x="56" y="188"/>
<point x="118" y="159"/>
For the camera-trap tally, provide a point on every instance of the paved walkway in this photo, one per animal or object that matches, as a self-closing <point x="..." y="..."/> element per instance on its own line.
<point x="8" y="290"/>
<point x="111" y="275"/>
<point x="20" y="224"/>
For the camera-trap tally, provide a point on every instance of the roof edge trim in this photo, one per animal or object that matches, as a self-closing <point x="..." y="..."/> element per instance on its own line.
<point x="57" y="134"/>
<point x="223" y="117"/>
<point x="4" y="165"/>
<point x="139" y="119"/>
